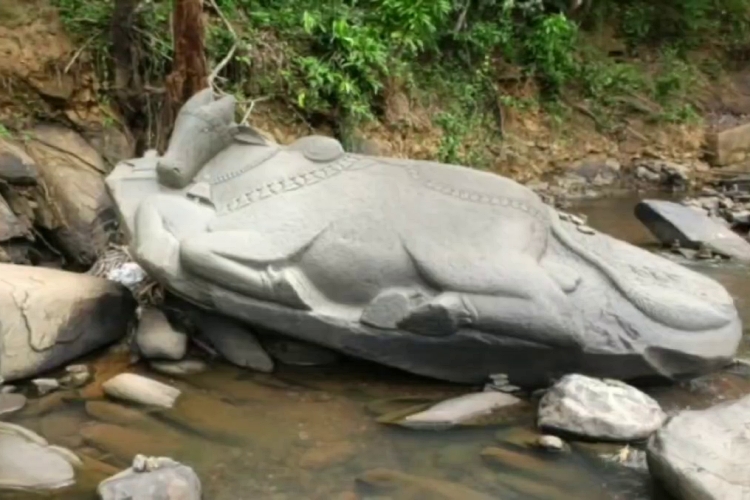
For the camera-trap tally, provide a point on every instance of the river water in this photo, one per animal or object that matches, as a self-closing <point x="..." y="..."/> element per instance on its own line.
<point x="311" y="433"/>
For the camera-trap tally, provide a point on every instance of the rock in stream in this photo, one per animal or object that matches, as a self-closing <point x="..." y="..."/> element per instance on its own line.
<point x="704" y="454"/>
<point x="601" y="409"/>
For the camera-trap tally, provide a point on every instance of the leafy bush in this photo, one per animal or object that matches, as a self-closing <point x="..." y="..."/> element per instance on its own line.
<point x="335" y="58"/>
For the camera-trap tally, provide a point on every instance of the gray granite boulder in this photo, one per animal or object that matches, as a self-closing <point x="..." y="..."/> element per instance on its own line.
<point x="52" y="317"/>
<point x="601" y="409"/>
<point x="704" y="454"/>
<point x="28" y="462"/>
<point x="436" y="269"/>
<point x="692" y="228"/>
<point x="152" y="478"/>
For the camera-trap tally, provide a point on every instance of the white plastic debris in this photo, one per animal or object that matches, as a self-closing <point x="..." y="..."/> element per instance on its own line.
<point x="128" y="274"/>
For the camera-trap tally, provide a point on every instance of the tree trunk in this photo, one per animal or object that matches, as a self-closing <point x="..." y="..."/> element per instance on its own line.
<point x="189" y="66"/>
<point x="128" y="91"/>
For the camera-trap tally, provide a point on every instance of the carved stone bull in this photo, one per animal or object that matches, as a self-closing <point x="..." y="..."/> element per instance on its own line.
<point x="436" y="269"/>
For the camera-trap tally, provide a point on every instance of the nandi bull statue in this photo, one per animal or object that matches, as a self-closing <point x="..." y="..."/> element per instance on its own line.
<point x="436" y="269"/>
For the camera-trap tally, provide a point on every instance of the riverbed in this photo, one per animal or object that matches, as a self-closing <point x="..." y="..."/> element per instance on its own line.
<point x="311" y="433"/>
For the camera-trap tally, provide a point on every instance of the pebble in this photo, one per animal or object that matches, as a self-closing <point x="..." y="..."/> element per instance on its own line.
<point x="143" y="390"/>
<point x="550" y="443"/>
<point x="77" y="377"/>
<point x="45" y="385"/>
<point x="178" y="368"/>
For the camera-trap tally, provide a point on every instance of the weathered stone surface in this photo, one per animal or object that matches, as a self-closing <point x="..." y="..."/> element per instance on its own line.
<point x="10" y="226"/>
<point x="72" y="172"/>
<point x="670" y="222"/>
<point x="729" y="146"/>
<point x="51" y="317"/>
<point x="303" y="239"/>
<point x="452" y="412"/>
<point x="157" y="339"/>
<point x="16" y="166"/>
<point x="152" y="479"/>
<point x="140" y="389"/>
<point x="704" y="454"/>
<point x="599" y="409"/>
<point x="28" y="462"/>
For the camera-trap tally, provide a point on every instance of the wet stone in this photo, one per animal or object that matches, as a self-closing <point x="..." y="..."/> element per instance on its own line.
<point x="11" y="403"/>
<point x="157" y="339"/>
<point x="152" y="478"/>
<point x="462" y="409"/>
<point x="139" y="389"/>
<point x="45" y="386"/>
<point x="179" y="368"/>
<point x="599" y="409"/>
<point x="28" y="462"/>
<point x="551" y="443"/>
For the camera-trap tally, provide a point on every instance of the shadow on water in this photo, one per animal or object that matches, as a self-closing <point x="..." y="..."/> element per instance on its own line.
<point x="309" y="433"/>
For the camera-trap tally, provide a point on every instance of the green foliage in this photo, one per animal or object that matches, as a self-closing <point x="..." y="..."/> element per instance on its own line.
<point x="335" y="59"/>
<point x="551" y="50"/>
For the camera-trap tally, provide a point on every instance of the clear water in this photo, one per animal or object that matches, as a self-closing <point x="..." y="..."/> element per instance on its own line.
<point x="312" y="433"/>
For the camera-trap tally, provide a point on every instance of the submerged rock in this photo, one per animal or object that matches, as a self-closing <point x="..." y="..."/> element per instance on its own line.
<point x="152" y="478"/>
<point x="28" y="462"/>
<point x="462" y="409"/>
<point x="11" y="403"/>
<point x="704" y="454"/>
<point x="157" y="339"/>
<point x="599" y="409"/>
<point x="418" y="486"/>
<point x="670" y="222"/>
<point x="139" y="389"/>
<point x="51" y="317"/>
<point x="327" y="455"/>
<point x="179" y="368"/>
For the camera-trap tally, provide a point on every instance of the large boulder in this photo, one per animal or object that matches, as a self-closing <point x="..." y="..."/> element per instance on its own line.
<point x="73" y="174"/>
<point x="601" y="409"/>
<point x="704" y="454"/>
<point x="51" y="317"/>
<point x="691" y="227"/>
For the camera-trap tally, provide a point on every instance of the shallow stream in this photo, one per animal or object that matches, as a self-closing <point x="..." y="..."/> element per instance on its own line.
<point x="310" y="433"/>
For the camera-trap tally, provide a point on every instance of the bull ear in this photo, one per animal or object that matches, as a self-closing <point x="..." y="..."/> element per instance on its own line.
<point x="220" y="111"/>
<point x="199" y="99"/>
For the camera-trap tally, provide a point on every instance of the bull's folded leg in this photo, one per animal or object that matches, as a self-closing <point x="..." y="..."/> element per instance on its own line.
<point x="157" y="248"/>
<point x="207" y="256"/>
<point x="519" y="299"/>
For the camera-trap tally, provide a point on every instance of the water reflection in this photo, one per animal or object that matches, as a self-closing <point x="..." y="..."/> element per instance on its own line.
<point x="311" y="433"/>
